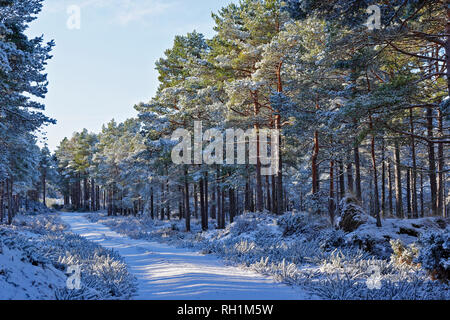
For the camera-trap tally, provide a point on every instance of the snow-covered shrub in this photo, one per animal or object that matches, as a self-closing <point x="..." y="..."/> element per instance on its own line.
<point x="36" y="207"/>
<point x="41" y="223"/>
<point x="243" y="224"/>
<point x="434" y="255"/>
<point x="346" y="288"/>
<point x="244" y="247"/>
<point x="369" y="245"/>
<point x="332" y="239"/>
<point x="301" y="224"/>
<point x="404" y="255"/>
<point x="265" y="235"/>
<point x="351" y="215"/>
<point x="317" y="203"/>
<point x="260" y="242"/>
<point x="104" y="275"/>
<point x="102" y="270"/>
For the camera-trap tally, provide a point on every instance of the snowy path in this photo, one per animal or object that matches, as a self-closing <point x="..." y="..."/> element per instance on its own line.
<point x="169" y="273"/>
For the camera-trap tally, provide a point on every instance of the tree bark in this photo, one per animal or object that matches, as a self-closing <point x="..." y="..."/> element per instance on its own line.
<point x="268" y="197"/>
<point x="314" y="168"/>
<point x="214" y="203"/>
<point x="398" y="181"/>
<point x="408" y="194"/>
<point x="341" y="180"/>
<point x="422" y="202"/>
<point x="390" y="200"/>
<point x="383" y="179"/>
<point x="9" y="187"/>
<point x="350" y="181"/>
<point x="232" y="198"/>
<point x="415" y="210"/>
<point x="375" y="177"/>
<point x="44" y="188"/>
<point x="195" y="201"/>
<point x="152" y="203"/>
<point x="432" y="162"/>
<point x="202" y="205"/>
<point x="357" y="173"/>
<point x="187" y="209"/>
<point x="331" y="204"/>
<point x="2" y="190"/>
<point x="441" y="166"/>
<point x="206" y="194"/>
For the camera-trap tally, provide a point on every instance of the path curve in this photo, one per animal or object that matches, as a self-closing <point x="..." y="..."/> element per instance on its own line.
<point x="168" y="273"/>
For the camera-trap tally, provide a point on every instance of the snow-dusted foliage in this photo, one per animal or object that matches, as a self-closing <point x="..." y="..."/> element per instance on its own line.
<point x="103" y="273"/>
<point x="298" y="249"/>
<point x="24" y="274"/>
<point x="435" y="255"/>
<point x="42" y="240"/>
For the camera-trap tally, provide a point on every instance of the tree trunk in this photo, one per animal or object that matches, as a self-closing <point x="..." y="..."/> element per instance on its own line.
<point x="341" y="180"/>
<point x="248" y="191"/>
<point x="206" y="194"/>
<point x="2" y="190"/>
<point x="441" y="166"/>
<point x="274" y="195"/>
<point x="375" y="177"/>
<point x="268" y="197"/>
<point x="92" y="195"/>
<point x="232" y="204"/>
<point x="259" y="191"/>
<point x="422" y="210"/>
<point x="86" y="194"/>
<point x="186" y="201"/>
<point x="44" y="189"/>
<point x="432" y="162"/>
<point x="390" y="200"/>
<point x="168" y="213"/>
<point x="331" y="204"/>
<point x="357" y="173"/>
<point x="202" y="205"/>
<point x="219" y="203"/>
<point x="415" y="210"/>
<point x="383" y="179"/>
<point x="152" y="203"/>
<point x="223" y="220"/>
<point x="279" y="177"/>
<point x="314" y="168"/>
<point x="408" y="194"/>
<point x="163" y="198"/>
<point x="350" y="181"/>
<point x="195" y="201"/>
<point x="398" y="181"/>
<point x="214" y="203"/>
<point x="9" y="187"/>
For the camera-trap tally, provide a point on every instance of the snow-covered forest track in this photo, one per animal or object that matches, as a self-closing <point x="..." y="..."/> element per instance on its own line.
<point x="165" y="272"/>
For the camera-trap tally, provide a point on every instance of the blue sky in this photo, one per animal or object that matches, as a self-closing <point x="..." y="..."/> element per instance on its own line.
<point x="102" y="70"/>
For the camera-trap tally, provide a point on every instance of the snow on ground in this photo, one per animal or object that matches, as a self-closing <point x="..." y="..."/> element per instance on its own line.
<point x="169" y="273"/>
<point x="302" y="250"/>
<point x="21" y="280"/>
<point x="37" y="250"/>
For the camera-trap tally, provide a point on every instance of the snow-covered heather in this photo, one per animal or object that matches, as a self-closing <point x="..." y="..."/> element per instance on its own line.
<point x="36" y="252"/>
<point x="301" y="250"/>
<point x="166" y="272"/>
<point x="23" y="279"/>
